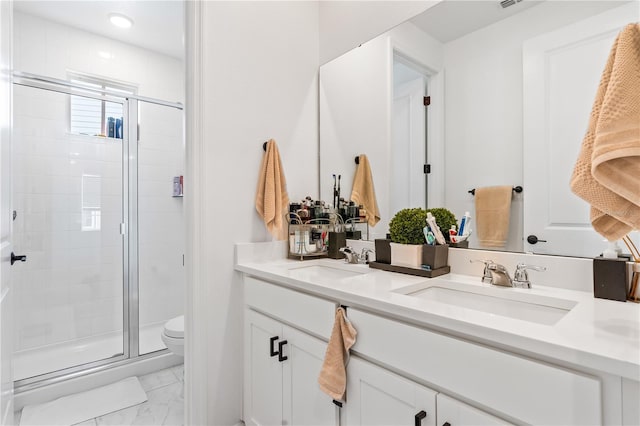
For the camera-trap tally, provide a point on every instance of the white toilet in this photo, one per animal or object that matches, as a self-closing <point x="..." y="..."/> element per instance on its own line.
<point x="173" y="335"/>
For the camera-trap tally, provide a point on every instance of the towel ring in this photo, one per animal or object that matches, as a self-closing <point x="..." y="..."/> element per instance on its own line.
<point x="517" y="189"/>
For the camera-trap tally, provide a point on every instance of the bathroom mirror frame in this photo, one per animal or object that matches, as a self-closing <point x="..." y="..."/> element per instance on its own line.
<point x="359" y="121"/>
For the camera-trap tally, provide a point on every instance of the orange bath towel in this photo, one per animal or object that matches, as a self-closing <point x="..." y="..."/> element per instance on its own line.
<point x="493" y="211"/>
<point x="271" y="196"/>
<point x="333" y="376"/>
<point x="363" y="191"/>
<point x="607" y="173"/>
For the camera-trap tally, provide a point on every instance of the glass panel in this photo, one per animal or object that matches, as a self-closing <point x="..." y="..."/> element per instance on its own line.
<point x="161" y="221"/>
<point x="67" y="194"/>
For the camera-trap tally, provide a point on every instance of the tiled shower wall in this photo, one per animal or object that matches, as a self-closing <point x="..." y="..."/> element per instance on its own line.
<point x="71" y="286"/>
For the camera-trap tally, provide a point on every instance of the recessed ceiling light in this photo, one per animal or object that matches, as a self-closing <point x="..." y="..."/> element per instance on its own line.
<point x="120" y="21"/>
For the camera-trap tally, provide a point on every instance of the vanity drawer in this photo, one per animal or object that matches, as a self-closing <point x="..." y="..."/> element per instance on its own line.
<point x="529" y="391"/>
<point x="300" y="310"/>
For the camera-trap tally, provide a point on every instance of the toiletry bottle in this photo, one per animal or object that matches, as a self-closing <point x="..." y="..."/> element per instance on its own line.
<point x="611" y="251"/>
<point x="452" y="232"/>
<point x="111" y="132"/>
<point x="464" y="223"/>
<point x="431" y="220"/>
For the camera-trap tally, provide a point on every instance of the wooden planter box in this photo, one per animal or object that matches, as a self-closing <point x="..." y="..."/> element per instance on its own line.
<point x="414" y="256"/>
<point x="383" y="251"/>
<point x="436" y="257"/>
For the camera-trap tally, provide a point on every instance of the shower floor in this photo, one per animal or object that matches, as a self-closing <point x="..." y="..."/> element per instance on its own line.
<point x="46" y="359"/>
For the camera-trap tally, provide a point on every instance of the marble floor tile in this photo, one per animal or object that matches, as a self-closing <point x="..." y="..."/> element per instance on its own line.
<point x="178" y="370"/>
<point x="164" y="407"/>
<point x="157" y="379"/>
<point x="91" y="422"/>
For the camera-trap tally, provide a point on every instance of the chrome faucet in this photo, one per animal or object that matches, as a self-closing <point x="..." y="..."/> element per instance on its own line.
<point x="497" y="274"/>
<point x="486" y="275"/>
<point x="351" y="256"/>
<point x="521" y="278"/>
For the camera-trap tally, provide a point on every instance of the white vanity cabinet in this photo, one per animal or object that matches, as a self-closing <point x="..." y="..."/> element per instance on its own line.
<point x="407" y="373"/>
<point x="522" y="389"/>
<point x="282" y="362"/>
<point x="376" y="396"/>
<point x="455" y="413"/>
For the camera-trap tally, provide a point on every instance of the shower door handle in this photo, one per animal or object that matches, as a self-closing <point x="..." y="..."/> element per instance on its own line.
<point x="14" y="258"/>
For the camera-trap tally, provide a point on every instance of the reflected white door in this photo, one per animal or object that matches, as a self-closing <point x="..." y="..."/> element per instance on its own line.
<point x="562" y="71"/>
<point x="409" y="146"/>
<point x="6" y="295"/>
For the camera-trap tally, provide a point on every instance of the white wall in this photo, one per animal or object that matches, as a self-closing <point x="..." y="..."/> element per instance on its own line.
<point x="72" y="285"/>
<point x="47" y="48"/>
<point x="484" y="129"/>
<point x="355" y="107"/>
<point x="259" y="70"/>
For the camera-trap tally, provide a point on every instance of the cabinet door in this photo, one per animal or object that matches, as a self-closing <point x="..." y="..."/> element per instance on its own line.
<point x="376" y="396"/>
<point x="263" y="372"/>
<point x="456" y="413"/>
<point x="303" y="401"/>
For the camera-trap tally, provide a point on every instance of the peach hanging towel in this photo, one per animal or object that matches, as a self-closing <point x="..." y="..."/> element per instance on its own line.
<point x="271" y="195"/>
<point x="493" y="211"/>
<point x="607" y="172"/>
<point x="363" y="192"/>
<point x="333" y="376"/>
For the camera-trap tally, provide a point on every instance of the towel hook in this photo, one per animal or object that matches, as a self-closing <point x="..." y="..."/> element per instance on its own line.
<point x="517" y="189"/>
<point x="264" y="146"/>
<point x="358" y="159"/>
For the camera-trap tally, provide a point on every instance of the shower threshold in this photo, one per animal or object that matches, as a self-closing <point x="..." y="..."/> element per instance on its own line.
<point x="47" y="359"/>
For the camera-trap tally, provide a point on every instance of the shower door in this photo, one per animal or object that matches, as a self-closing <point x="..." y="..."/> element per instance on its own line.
<point x="159" y="220"/>
<point x="70" y="208"/>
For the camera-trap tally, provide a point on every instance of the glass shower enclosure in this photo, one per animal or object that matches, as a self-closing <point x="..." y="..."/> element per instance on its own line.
<point x="98" y="215"/>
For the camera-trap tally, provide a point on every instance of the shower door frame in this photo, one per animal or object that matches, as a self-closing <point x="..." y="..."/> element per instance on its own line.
<point x="129" y="228"/>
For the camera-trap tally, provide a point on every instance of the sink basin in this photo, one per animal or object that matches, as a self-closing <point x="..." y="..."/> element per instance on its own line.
<point x="322" y="272"/>
<point x="497" y="301"/>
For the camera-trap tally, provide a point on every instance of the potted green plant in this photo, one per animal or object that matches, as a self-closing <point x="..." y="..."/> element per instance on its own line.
<point x="408" y="248"/>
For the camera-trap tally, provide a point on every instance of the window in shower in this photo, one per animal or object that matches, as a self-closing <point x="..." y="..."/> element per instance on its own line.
<point x="97" y="117"/>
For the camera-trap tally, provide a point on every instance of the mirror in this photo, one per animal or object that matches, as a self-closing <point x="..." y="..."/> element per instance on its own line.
<point x="482" y="68"/>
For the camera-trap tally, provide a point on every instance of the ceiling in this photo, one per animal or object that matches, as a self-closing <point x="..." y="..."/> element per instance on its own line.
<point x="158" y="25"/>
<point x="452" y="19"/>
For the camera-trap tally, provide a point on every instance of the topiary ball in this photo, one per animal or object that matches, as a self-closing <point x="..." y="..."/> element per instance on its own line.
<point x="406" y="226"/>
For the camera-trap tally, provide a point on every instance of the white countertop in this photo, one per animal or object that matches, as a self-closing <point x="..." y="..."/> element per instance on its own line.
<point x="596" y="334"/>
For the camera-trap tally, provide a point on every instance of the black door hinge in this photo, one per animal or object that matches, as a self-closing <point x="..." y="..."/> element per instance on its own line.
<point x="427" y="100"/>
<point x="427" y="169"/>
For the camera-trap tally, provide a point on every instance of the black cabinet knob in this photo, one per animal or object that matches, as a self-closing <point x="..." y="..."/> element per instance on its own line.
<point x="272" y="351"/>
<point x="532" y="239"/>
<point x="281" y="356"/>
<point x="15" y="258"/>
<point x="418" y="417"/>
